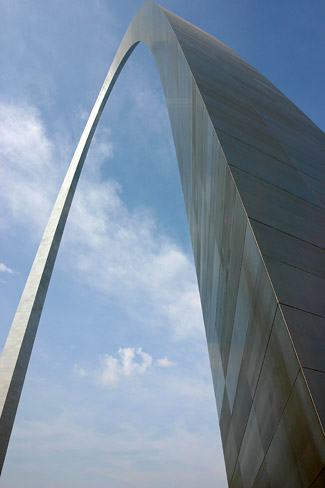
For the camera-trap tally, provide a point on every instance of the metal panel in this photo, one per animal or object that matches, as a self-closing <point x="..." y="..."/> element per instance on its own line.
<point x="289" y="249"/>
<point x="297" y="452"/>
<point x="308" y="334"/>
<point x="296" y="287"/>
<point x="316" y="383"/>
<point x="277" y="376"/>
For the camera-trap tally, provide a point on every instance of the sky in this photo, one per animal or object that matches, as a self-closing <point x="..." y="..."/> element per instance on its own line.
<point x="119" y="390"/>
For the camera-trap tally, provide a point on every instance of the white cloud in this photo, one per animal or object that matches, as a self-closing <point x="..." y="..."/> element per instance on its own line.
<point x="28" y="172"/>
<point x="110" y="371"/>
<point x="5" y="269"/>
<point x="165" y="363"/>
<point x="129" y="365"/>
<point x="131" y="362"/>
<point x="32" y="166"/>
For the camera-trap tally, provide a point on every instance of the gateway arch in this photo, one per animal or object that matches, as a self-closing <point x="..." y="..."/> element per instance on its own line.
<point x="252" y="172"/>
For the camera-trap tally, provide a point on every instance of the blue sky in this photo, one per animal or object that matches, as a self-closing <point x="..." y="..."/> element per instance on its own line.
<point x="118" y="391"/>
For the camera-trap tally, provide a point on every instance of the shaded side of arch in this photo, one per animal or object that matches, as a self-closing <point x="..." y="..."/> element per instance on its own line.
<point x="252" y="176"/>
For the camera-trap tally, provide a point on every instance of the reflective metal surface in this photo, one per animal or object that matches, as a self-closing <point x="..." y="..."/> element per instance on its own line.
<point x="252" y="170"/>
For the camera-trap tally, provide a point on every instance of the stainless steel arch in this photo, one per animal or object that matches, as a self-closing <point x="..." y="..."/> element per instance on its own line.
<point x="252" y="170"/>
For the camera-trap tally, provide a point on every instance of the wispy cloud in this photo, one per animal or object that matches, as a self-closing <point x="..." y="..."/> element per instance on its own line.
<point x="28" y="172"/>
<point x="123" y="456"/>
<point x="79" y="371"/>
<point x="117" y="250"/>
<point x="165" y="363"/>
<point x="6" y="269"/>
